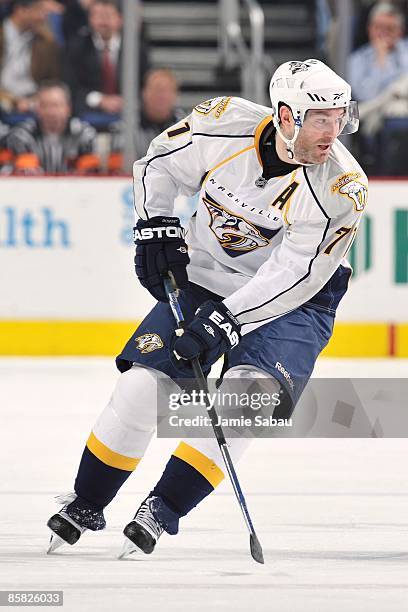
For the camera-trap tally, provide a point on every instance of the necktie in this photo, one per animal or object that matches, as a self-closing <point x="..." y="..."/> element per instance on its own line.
<point x="108" y="73"/>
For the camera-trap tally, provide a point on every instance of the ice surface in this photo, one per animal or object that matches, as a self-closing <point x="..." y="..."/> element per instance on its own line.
<point x="332" y="515"/>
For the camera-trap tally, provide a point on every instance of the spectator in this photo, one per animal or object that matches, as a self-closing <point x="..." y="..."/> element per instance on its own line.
<point x="378" y="74"/>
<point x="94" y="61"/>
<point x="5" y="8"/>
<point x="28" y="55"/>
<point x="362" y="9"/>
<point x="75" y="18"/>
<point x="384" y="59"/>
<point x="159" y="111"/>
<point x="53" y="142"/>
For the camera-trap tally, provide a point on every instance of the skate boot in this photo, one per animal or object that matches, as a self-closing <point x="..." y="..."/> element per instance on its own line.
<point x="152" y="518"/>
<point x="76" y="516"/>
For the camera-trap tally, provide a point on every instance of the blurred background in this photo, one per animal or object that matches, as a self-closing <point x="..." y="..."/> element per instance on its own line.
<point x="85" y="85"/>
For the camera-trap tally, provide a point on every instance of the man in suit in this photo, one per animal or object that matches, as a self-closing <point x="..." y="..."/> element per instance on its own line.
<point x="93" y="67"/>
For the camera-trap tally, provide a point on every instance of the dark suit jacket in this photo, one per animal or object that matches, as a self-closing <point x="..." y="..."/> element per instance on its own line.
<point x="83" y="69"/>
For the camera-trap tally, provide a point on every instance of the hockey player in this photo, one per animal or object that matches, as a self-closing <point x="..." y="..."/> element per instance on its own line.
<point x="280" y="199"/>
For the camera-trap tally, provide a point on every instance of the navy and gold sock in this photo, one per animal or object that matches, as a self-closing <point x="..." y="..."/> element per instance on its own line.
<point x="188" y="478"/>
<point x="102" y="472"/>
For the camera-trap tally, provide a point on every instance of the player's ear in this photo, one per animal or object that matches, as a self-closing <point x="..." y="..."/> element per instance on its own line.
<point x="286" y="120"/>
<point x="285" y="116"/>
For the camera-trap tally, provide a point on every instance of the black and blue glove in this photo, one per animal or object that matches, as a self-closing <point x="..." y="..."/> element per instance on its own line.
<point x="213" y="331"/>
<point x="160" y="249"/>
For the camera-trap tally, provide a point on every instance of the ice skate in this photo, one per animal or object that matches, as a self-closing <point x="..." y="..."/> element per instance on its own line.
<point x="152" y="518"/>
<point x="76" y="516"/>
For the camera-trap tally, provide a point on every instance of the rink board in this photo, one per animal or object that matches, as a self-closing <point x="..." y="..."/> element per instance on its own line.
<point x="70" y="288"/>
<point x="106" y="338"/>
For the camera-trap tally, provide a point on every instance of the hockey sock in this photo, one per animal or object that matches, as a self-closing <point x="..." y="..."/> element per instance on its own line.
<point x="120" y="437"/>
<point x="188" y="478"/>
<point x="102" y="472"/>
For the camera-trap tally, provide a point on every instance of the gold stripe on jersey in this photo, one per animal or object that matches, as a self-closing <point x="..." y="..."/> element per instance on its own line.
<point x="258" y="133"/>
<point x="110" y="457"/>
<point x="225" y="161"/>
<point x="200" y="462"/>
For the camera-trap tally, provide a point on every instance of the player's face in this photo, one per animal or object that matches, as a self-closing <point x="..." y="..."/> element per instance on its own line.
<point x="317" y="135"/>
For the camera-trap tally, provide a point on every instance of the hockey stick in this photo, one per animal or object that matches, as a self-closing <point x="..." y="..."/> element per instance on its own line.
<point x="255" y="545"/>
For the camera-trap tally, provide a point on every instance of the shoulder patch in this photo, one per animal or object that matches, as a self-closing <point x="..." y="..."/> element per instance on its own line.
<point x="344" y="179"/>
<point x="215" y="105"/>
<point x="357" y="192"/>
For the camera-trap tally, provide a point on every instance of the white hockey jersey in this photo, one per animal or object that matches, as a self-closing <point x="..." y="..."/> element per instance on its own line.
<point x="266" y="247"/>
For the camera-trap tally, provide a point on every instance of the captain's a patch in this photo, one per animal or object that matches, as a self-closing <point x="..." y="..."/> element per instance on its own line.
<point x="147" y="343"/>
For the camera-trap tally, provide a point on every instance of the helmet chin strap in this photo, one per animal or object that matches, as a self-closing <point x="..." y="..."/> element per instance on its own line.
<point x="290" y="143"/>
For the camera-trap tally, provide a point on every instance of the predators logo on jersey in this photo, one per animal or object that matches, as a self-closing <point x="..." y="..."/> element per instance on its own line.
<point x="149" y="343"/>
<point x="234" y="233"/>
<point x="357" y="192"/>
<point x="348" y="185"/>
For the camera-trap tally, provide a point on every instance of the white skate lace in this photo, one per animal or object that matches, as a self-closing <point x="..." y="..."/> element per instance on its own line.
<point x="82" y="518"/>
<point x="145" y="517"/>
<point x="65" y="498"/>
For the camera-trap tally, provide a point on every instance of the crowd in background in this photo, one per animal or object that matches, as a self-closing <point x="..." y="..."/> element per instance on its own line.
<point x="60" y="85"/>
<point x="378" y="74"/>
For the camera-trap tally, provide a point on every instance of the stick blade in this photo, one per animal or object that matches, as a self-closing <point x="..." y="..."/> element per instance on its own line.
<point x="256" y="548"/>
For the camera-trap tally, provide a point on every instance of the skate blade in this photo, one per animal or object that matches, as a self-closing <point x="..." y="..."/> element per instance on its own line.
<point x="128" y="548"/>
<point x="55" y="542"/>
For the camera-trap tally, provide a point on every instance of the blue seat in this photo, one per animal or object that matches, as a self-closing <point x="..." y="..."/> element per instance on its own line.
<point x="393" y="147"/>
<point x="100" y="121"/>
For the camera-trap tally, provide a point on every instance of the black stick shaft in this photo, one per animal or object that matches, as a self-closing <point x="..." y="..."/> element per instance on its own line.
<point x="255" y="546"/>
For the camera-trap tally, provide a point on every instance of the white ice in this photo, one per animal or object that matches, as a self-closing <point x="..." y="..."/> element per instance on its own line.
<point x="332" y="515"/>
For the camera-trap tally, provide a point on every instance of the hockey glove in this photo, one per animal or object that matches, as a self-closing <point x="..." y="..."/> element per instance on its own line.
<point x="213" y="331"/>
<point x="160" y="249"/>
